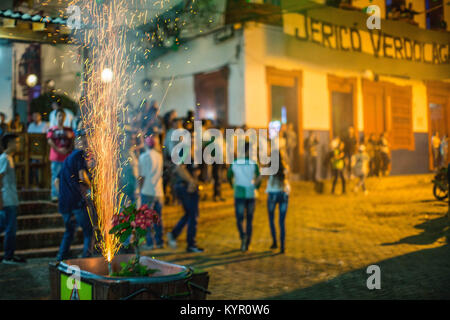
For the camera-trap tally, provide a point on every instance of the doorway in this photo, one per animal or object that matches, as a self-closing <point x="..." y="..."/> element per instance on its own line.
<point x="284" y="106"/>
<point x="438" y="117"/>
<point x="343" y="115"/>
<point x="211" y="94"/>
<point x="342" y="112"/>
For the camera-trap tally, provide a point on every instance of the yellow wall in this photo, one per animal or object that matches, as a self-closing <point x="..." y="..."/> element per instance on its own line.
<point x="267" y="50"/>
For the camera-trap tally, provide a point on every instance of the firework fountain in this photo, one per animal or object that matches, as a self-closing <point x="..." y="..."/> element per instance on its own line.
<point x="108" y="72"/>
<point x="107" y="80"/>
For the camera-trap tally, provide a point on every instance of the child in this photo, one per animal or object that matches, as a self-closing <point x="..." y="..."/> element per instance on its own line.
<point x="9" y="200"/>
<point x="360" y="164"/>
<point x="245" y="178"/>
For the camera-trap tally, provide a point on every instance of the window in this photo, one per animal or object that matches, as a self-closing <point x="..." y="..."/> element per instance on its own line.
<point x="435" y="14"/>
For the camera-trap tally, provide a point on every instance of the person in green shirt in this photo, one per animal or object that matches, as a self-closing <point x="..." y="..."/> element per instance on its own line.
<point x="245" y="178"/>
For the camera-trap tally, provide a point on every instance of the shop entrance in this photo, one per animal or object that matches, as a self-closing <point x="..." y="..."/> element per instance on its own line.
<point x="342" y="92"/>
<point x="211" y="94"/>
<point x="342" y="112"/>
<point x="284" y="97"/>
<point x="439" y="117"/>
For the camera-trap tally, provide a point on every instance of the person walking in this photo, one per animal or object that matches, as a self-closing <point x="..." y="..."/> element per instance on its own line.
<point x="444" y="151"/>
<point x="350" y="143"/>
<point x="291" y="144"/>
<point x="244" y="177"/>
<point x="73" y="185"/>
<point x="311" y="145"/>
<point x="384" y="154"/>
<point x="360" y="165"/>
<point x="151" y="186"/>
<point x="435" y="145"/>
<point x="60" y="140"/>
<point x="9" y="200"/>
<point x="278" y="189"/>
<point x="337" y="166"/>
<point x="186" y="188"/>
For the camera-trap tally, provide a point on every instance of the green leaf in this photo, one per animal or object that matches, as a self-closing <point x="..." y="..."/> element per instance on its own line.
<point x="124" y="236"/>
<point x="120" y="227"/>
<point x="141" y="232"/>
<point x="141" y="241"/>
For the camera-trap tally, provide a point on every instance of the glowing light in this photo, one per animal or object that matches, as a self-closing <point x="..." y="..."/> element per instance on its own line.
<point x="107" y="75"/>
<point x="32" y="80"/>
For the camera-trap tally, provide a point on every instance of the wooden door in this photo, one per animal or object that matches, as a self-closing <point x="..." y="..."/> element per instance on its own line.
<point x="374" y="108"/>
<point x="211" y="93"/>
<point x="343" y="105"/>
<point x="438" y="95"/>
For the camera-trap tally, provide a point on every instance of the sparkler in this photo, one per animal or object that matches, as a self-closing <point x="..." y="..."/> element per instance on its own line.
<point x="107" y="80"/>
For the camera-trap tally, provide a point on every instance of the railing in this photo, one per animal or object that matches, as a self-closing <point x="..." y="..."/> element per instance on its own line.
<point x="32" y="161"/>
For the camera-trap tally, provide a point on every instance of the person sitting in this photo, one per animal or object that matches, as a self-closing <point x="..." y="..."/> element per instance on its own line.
<point x="15" y="126"/>
<point x="37" y="126"/>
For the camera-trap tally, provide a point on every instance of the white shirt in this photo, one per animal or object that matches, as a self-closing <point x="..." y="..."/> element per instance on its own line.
<point x="67" y="122"/>
<point x="151" y="169"/>
<point x="38" y="128"/>
<point x="9" y="189"/>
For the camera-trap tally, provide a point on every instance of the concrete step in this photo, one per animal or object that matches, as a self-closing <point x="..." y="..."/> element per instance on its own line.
<point x="48" y="252"/>
<point x="41" y="238"/>
<point x="34" y="194"/>
<point x="37" y="207"/>
<point x="40" y="226"/>
<point x="39" y="221"/>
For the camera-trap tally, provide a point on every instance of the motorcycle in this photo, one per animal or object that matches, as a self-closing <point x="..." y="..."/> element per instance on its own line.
<point x="440" y="184"/>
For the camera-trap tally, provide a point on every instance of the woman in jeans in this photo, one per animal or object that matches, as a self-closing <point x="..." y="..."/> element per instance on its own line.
<point x="278" y="189"/>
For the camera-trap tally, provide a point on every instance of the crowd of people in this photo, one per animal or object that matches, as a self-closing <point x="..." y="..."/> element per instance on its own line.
<point x="148" y="176"/>
<point x="348" y="159"/>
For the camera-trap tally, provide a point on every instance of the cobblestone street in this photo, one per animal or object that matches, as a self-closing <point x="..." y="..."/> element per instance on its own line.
<point x="331" y="240"/>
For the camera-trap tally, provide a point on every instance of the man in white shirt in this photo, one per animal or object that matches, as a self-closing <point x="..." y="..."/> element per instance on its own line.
<point x="151" y="185"/>
<point x="52" y="117"/>
<point x="37" y="126"/>
<point x="9" y="200"/>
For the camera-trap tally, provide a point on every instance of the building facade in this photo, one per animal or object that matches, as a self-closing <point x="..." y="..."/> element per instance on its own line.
<point x="322" y="69"/>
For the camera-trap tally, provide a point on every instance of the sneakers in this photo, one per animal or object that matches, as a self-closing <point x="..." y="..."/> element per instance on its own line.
<point x="160" y="246"/>
<point x="15" y="260"/>
<point x="195" y="249"/>
<point x="171" y="241"/>
<point x="274" y="246"/>
<point x="244" y="244"/>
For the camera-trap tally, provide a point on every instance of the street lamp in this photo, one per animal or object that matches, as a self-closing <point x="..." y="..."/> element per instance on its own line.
<point x="31" y="80"/>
